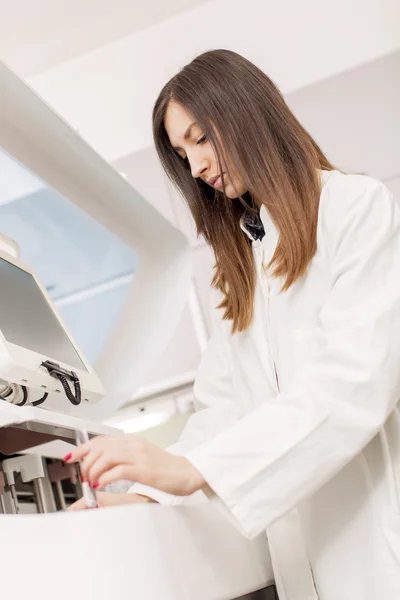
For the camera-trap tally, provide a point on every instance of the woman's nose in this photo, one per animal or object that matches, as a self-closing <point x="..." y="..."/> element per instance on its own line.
<point x="199" y="168"/>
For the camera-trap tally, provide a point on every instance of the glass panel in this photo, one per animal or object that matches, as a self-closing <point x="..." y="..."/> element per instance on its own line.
<point x="92" y="318"/>
<point x="86" y="269"/>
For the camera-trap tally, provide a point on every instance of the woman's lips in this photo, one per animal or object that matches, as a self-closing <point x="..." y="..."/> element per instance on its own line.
<point x="218" y="183"/>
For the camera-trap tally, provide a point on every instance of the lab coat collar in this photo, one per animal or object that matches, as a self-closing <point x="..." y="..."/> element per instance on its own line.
<point x="269" y="227"/>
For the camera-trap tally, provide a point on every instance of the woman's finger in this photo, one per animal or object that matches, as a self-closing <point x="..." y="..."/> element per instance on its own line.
<point x="125" y="471"/>
<point x="78" y="453"/>
<point x="78" y="505"/>
<point x="103" y="463"/>
<point x="87" y="463"/>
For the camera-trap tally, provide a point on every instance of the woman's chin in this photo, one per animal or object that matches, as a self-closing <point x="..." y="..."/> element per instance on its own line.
<point x="232" y="192"/>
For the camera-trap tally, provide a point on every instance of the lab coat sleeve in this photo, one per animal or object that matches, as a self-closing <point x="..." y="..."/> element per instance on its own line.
<point x="214" y="406"/>
<point x="287" y="448"/>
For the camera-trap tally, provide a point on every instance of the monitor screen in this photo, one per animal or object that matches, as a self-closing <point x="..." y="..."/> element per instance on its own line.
<point x="27" y="320"/>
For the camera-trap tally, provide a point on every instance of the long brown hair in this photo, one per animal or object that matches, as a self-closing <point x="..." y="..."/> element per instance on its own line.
<point x="254" y="134"/>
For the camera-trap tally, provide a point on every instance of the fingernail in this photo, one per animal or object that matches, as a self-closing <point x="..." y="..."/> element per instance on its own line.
<point x="67" y="458"/>
<point x="95" y="485"/>
<point x="82" y="479"/>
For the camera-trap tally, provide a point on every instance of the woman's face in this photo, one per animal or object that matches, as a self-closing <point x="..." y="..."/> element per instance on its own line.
<point x="189" y="142"/>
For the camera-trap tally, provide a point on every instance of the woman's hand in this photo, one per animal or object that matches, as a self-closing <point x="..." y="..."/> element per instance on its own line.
<point x="109" y="499"/>
<point x="106" y="459"/>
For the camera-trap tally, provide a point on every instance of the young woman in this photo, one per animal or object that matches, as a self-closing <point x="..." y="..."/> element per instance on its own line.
<point x="297" y="431"/>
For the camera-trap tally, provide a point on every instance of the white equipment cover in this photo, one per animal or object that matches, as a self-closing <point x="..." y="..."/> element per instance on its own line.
<point x="146" y="552"/>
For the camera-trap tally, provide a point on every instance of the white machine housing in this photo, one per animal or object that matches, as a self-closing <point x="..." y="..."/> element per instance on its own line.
<point x="22" y="364"/>
<point x="40" y="140"/>
<point x="35" y="136"/>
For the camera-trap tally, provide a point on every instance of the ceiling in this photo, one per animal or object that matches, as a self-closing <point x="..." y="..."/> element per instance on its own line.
<point x="38" y="34"/>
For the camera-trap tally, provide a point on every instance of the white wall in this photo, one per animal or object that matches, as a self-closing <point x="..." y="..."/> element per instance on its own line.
<point x="165" y="435"/>
<point x="394" y="186"/>
<point x="108" y="93"/>
<point x="355" y="116"/>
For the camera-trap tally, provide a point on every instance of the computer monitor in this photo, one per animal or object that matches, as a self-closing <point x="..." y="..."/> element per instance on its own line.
<point x="32" y="332"/>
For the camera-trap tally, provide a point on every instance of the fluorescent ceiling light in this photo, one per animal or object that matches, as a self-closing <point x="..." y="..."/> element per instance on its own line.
<point x="143" y="422"/>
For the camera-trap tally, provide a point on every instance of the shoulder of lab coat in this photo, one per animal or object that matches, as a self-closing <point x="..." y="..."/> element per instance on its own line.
<point x="214" y="404"/>
<point x="287" y="448"/>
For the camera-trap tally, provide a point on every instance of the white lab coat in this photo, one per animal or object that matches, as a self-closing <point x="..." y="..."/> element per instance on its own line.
<point x="298" y="429"/>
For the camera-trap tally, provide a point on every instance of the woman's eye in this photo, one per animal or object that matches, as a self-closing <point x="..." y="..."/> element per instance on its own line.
<point x="202" y="140"/>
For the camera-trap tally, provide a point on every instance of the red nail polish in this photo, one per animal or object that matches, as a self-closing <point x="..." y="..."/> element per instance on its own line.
<point x="82" y="479"/>
<point x="67" y="458"/>
<point x="95" y="485"/>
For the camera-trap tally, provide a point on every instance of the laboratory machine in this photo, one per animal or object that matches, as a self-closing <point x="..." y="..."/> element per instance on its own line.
<point x="52" y="397"/>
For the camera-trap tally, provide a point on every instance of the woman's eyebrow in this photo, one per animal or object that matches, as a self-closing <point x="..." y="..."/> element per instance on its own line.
<point x="186" y="135"/>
